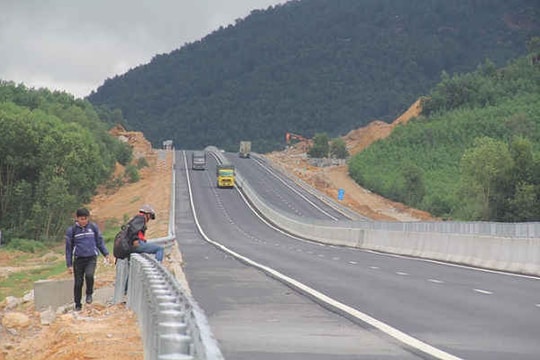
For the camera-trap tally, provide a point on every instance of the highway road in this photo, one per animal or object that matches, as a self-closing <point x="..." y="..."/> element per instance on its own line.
<point x="281" y="192"/>
<point x="391" y="307"/>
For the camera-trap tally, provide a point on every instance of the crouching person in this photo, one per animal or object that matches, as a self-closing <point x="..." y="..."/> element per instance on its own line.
<point x="136" y="233"/>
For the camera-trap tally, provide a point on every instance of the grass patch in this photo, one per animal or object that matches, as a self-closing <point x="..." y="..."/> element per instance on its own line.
<point x="28" y="246"/>
<point x="19" y="283"/>
<point x="135" y="199"/>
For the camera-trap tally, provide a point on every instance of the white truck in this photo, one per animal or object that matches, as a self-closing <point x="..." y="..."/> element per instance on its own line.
<point x="245" y="149"/>
<point x="198" y="160"/>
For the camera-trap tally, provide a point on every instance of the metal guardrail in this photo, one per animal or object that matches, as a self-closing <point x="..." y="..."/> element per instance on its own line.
<point x="173" y="327"/>
<point x="161" y="310"/>
<point x="168" y="241"/>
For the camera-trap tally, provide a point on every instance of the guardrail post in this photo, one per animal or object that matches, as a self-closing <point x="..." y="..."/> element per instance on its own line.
<point x="122" y="271"/>
<point x="174" y="344"/>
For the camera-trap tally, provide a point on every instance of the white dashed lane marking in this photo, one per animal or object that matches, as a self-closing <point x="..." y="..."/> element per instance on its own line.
<point x="436" y="281"/>
<point x="485" y="292"/>
<point x="401" y="273"/>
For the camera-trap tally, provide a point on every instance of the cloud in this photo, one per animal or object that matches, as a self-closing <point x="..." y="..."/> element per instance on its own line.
<point x="74" y="46"/>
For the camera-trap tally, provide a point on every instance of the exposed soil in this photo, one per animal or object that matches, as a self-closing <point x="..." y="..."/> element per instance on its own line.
<point x="330" y="179"/>
<point x="110" y="332"/>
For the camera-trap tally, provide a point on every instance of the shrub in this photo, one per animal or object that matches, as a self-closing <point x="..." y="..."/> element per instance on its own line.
<point x="132" y="174"/>
<point x="142" y="162"/>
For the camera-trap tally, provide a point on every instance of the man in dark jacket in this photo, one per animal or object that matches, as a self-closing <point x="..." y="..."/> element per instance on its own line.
<point x="137" y="230"/>
<point x="83" y="244"/>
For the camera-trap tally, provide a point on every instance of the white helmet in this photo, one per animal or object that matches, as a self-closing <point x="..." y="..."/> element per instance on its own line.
<point x="148" y="209"/>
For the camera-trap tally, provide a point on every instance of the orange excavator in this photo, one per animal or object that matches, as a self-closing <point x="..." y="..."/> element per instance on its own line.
<point x="290" y="136"/>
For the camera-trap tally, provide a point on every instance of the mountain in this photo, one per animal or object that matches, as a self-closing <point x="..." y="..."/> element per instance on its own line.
<point x="313" y="66"/>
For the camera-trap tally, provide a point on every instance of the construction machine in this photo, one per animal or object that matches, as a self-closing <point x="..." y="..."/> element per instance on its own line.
<point x="290" y="136"/>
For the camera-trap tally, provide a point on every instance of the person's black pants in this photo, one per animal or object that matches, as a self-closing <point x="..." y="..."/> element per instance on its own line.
<point x="83" y="269"/>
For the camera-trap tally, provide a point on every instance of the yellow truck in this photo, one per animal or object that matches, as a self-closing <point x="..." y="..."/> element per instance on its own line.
<point x="225" y="175"/>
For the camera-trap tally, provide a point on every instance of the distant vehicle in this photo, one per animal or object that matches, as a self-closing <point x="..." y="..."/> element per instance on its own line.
<point x="245" y="149"/>
<point x="198" y="160"/>
<point x="225" y="175"/>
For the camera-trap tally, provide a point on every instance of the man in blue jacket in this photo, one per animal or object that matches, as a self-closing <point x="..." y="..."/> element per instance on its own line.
<point x="83" y="244"/>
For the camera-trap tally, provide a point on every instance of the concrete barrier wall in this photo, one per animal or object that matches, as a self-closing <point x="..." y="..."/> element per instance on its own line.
<point x="504" y="253"/>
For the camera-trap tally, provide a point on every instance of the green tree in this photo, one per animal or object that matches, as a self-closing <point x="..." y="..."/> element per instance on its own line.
<point x="524" y="205"/>
<point x="320" y="146"/>
<point x="520" y="125"/>
<point x="533" y="45"/>
<point x="484" y="167"/>
<point x="124" y="153"/>
<point x="338" y="149"/>
<point x="521" y="150"/>
<point x="414" y="188"/>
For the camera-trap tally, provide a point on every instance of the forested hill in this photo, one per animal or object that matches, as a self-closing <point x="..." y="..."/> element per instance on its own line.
<point x="473" y="154"/>
<point x="314" y="66"/>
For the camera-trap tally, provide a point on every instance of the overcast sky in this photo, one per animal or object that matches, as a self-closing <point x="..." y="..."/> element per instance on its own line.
<point x="74" y="45"/>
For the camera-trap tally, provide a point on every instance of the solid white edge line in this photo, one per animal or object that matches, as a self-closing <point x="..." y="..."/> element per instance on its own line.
<point x="387" y="329"/>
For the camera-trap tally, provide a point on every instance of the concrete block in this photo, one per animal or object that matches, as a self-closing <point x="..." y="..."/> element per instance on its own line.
<point x="53" y="293"/>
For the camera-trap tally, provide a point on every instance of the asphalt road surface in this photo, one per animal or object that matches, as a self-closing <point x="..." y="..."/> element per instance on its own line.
<point x="390" y="307"/>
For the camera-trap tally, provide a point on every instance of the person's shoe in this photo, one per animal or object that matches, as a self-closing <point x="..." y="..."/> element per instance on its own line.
<point x="89" y="299"/>
<point x="78" y="307"/>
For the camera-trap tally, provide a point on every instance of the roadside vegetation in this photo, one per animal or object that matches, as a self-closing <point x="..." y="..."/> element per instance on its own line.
<point x="473" y="154"/>
<point x="55" y="152"/>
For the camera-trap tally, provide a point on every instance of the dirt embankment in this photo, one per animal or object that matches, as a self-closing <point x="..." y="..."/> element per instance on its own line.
<point x="330" y="179"/>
